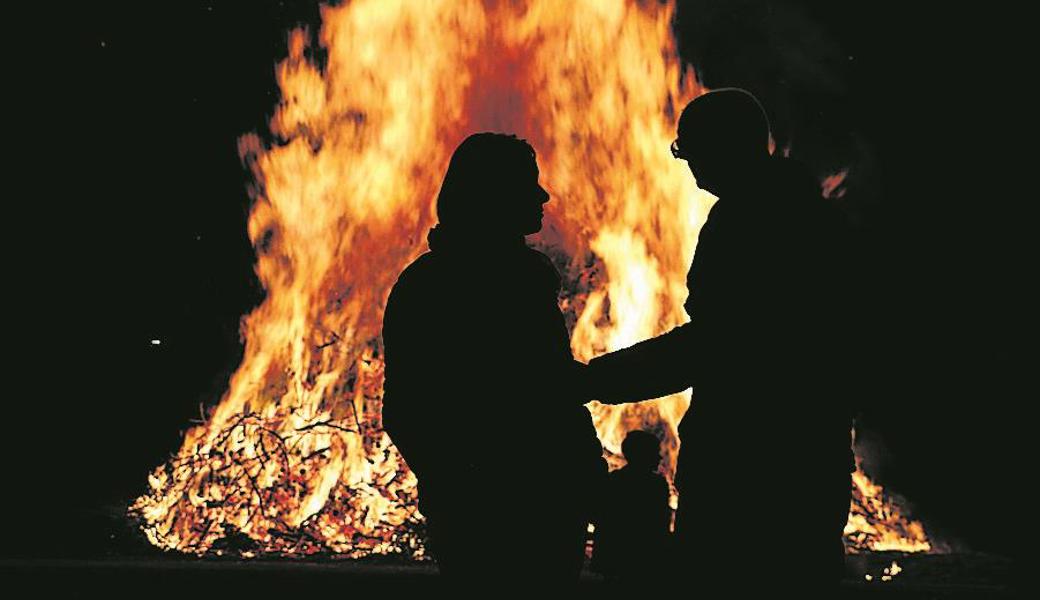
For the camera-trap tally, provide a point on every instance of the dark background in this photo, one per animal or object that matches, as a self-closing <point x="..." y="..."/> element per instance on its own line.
<point x="132" y="228"/>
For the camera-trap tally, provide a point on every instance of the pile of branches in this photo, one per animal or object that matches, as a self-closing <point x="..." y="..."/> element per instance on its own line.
<point x="232" y="497"/>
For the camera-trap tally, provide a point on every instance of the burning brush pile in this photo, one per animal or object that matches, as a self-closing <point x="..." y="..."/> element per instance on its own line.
<point x="293" y="460"/>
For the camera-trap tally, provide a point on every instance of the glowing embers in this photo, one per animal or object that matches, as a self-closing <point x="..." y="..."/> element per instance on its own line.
<point x="876" y="522"/>
<point x="270" y="482"/>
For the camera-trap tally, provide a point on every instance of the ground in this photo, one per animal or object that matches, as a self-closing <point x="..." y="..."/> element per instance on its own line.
<point x="102" y="556"/>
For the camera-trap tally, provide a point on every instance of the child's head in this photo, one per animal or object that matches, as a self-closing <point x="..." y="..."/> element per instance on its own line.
<point x="642" y="449"/>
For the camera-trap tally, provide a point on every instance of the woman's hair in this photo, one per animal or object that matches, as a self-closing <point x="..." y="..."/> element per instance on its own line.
<point x="485" y="167"/>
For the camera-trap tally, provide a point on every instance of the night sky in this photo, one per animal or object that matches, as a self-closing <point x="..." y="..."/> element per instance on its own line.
<point x="138" y="230"/>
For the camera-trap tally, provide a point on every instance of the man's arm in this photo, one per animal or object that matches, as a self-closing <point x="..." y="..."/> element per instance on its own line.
<point x="653" y="368"/>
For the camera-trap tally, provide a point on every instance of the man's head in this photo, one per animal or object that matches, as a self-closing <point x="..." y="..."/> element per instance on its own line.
<point x="723" y="135"/>
<point x="491" y="185"/>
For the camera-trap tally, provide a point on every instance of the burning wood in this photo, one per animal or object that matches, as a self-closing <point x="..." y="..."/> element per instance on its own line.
<point x="876" y="522"/>
<point x="262" y="484"/>
<point x="293" y="460"/>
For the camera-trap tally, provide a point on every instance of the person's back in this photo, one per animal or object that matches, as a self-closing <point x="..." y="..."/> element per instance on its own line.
<point x="631" y="538"/>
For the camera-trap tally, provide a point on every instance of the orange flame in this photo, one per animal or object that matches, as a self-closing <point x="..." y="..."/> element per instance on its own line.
<point x="293" y="460"/>
<point x="833" y="186"/>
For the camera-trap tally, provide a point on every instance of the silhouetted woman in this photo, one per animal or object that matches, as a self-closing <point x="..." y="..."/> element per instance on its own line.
<point x="477" y="360"/>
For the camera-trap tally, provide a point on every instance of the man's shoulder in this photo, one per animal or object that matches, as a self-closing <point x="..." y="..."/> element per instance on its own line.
<point x="794" y="174"/>
<point x="797" y="199"/>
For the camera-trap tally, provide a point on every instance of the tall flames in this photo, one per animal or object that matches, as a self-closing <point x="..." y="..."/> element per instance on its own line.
<point x="293" y="460"/>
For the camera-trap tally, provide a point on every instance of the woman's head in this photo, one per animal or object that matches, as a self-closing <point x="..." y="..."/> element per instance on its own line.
<point x="491" y="186"/>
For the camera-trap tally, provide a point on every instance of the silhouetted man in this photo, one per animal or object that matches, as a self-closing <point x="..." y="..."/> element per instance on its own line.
<point x="764" y="468"/>
<point x="477" y="360"/>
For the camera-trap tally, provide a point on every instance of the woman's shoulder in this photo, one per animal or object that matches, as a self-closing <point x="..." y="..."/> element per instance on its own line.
<point x="431" y="273"/>
<point x="428" y="287"/>
<point x="415" y="272"/>
<point x="418" y="278"/>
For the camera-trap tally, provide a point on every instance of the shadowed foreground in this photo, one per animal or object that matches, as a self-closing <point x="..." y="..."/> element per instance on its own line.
<point x="924" y="576"/>
<point x="101" y="554"/>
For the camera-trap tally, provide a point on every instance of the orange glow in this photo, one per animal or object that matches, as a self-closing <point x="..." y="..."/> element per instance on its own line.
<point x="293" y="459"/>
<point x="833" y="186"/>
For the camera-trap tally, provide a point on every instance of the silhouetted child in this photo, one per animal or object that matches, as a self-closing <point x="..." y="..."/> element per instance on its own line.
<point x="632" y="524"/>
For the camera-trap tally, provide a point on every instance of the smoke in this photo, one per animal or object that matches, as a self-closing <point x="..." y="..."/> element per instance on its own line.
<point x="789" y="58"/>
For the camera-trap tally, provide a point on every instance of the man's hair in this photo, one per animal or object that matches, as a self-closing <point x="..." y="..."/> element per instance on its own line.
<point x="484" y="165"/>
<point x="729" y="121"/>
